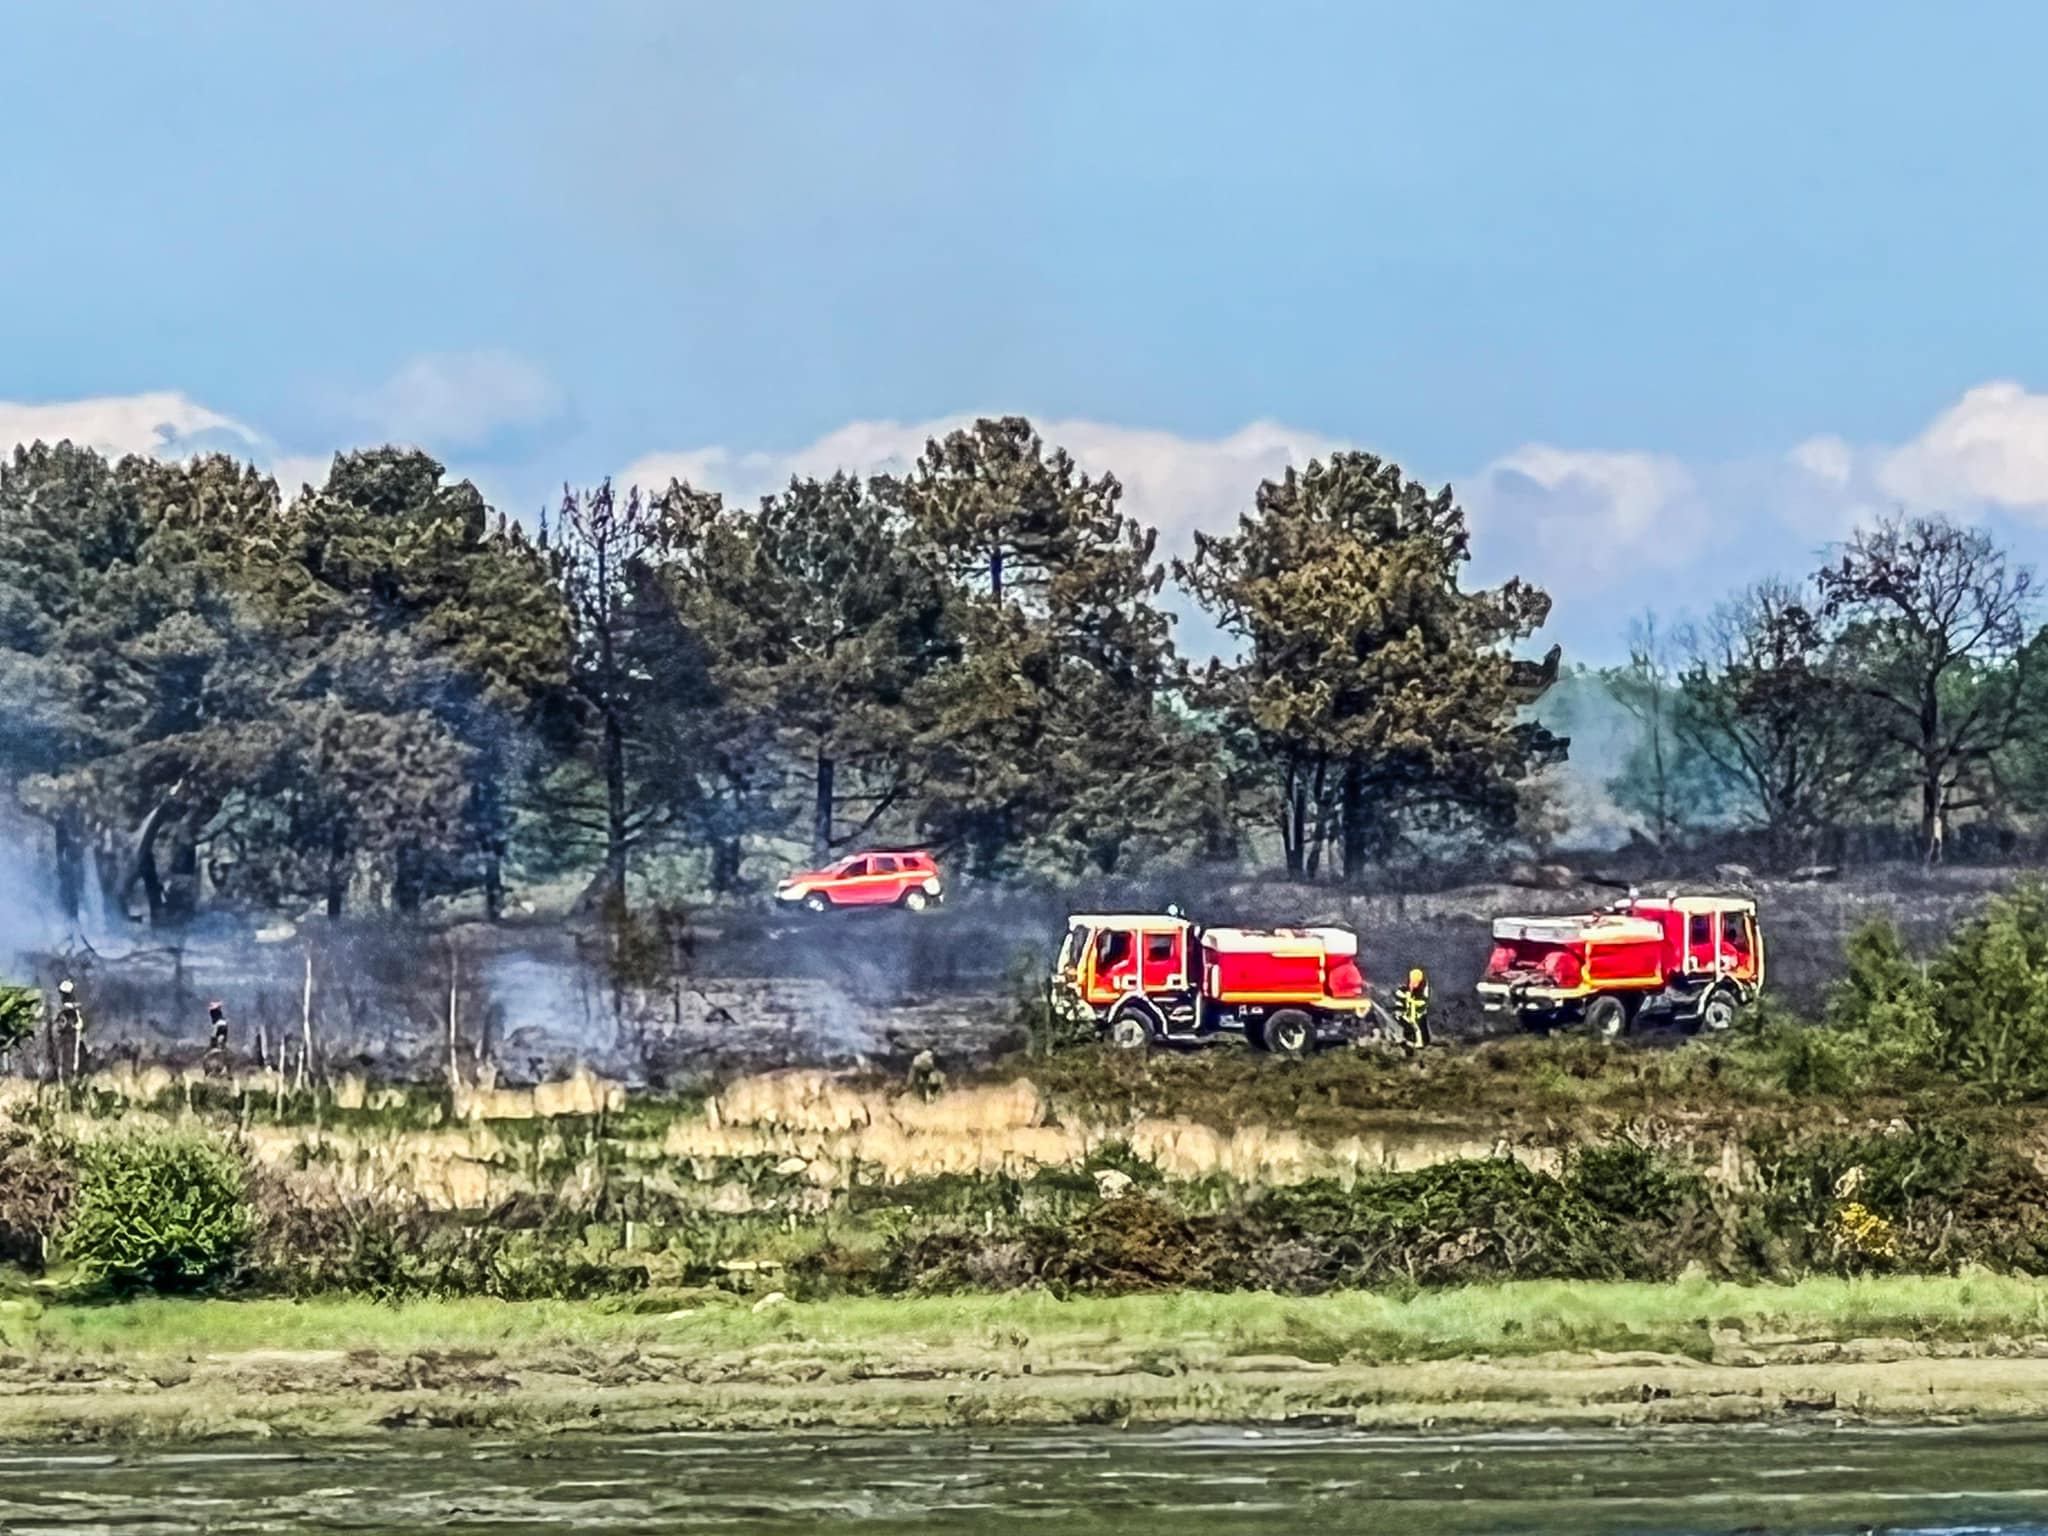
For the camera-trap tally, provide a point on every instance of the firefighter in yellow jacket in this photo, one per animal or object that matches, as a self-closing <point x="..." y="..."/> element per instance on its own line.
<point x="1411" y="1007"/>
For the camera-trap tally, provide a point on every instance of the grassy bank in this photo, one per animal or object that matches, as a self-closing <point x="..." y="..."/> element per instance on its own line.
<point x="1895" y="1347"/>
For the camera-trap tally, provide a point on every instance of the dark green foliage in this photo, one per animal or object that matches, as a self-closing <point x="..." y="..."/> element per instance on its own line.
<point x="322" y="693"/>
<point x="1976" y="1014"/>
<point x="1378" y="696"/>
<point x="1476" y="1219"/>
<point x="1763" y="705"/>
<point x="1050" y="734"/>
<point x="166" y="1212"/>
<point x="1619" y="1212"/>
<point x="1879" y="984"/>
<point x="1934" y="629"/>
<point x="21" y="1012"/>
<point x="1950" y="1195"/>
<point x="1986" y="1015"/>
<point x="36" y="1193"/>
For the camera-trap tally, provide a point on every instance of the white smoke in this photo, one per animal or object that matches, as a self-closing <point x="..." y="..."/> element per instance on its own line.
<point x="32" y="920"/>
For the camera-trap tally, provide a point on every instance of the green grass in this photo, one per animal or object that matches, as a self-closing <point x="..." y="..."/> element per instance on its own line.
<point x="1511" y="1319"/>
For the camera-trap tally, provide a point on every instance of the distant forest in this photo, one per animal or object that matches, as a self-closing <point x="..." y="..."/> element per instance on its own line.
<point x="381" y="692"/>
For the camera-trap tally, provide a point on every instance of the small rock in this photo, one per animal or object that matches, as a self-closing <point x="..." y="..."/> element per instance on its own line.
<point x="771" y="1301"/>
<point x="791" y="1165"/>
<point x="1112" y="1183"/>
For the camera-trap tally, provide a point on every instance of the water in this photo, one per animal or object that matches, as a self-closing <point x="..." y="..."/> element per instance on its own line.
<point x="1192" y="1483"/>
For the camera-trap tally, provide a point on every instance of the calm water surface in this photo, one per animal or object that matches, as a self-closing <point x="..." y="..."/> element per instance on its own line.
<point x="1191" y="1483"/>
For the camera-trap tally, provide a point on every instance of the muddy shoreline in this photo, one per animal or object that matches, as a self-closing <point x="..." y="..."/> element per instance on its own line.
<point x="320" y="1394"/>
<point x="150" y="1372"/>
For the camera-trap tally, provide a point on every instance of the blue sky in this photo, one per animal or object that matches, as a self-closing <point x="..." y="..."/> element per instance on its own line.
<point x="1672" y="294"/>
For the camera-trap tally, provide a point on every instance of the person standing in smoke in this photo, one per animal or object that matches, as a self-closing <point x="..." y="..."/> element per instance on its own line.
<point x="217" y="1048"/>
<point x="70" y="1022"/>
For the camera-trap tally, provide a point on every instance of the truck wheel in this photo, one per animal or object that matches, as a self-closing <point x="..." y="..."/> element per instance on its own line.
<point x="1129" y="1032"/>
<point x="1717" y="1012"/>
<point x="1607" y="1018"/>
<point x="816" y="904"/>
<point x="914" y="901"/>
<point x="1290" y="1032"/>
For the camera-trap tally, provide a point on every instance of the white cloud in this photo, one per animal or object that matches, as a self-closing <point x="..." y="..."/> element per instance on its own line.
<point x="459" y="400"/>
<point x="1576" y="520"/>
<point x="293" y="470"/>
<point x="1829" y="460"/>
<point x="163" y="423"/>
<point x="1989" y="449"/>
<point x="1176" y="484"/>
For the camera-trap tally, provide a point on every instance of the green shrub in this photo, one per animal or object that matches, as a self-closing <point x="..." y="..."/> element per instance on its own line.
<point x="35" y="1196"/>
<point x="1881" y="986"/>
<point x="1987" y="1018"/>
<point x="21" y="1009"/>
<point x="168" y="1212"/>
<point x="1628" y="1182"/>
<point x="1806" y="1061"/>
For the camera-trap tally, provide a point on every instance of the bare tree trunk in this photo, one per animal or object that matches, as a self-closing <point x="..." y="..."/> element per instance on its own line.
<point x="821" y="809"/>
<point x="617" y="823"/>
<point x="337" y="873"/>
<point x="454" y="1005"/>
<point x="1354" y="829"/>
<point x="71" y="856"/>
<point x="1293" y="821"/>
<point x="306" y="1023"/>
<point x="1319" y="839"/>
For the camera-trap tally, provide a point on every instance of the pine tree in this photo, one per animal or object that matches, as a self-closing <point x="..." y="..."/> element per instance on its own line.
<point x="1048" y="733"/>
<point x="1379" y="694"/>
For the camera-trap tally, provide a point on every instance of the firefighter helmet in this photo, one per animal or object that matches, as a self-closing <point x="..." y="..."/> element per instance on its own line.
<point x="1416" y="978"/>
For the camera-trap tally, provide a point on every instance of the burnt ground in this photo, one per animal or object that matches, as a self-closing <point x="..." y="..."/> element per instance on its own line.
<point x="757" y="991"/>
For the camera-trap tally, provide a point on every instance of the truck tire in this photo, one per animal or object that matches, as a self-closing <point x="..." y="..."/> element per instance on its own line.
<point x="1129" y="1030"/>
<point x="1290" y="1032"/>
<point x="1607" y="1018"/>
<point x="1717" y="1011"/>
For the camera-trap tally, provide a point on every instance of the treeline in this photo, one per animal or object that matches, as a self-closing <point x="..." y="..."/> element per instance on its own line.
<point x="1901" y="688"/>
<point x="380" y="691"/>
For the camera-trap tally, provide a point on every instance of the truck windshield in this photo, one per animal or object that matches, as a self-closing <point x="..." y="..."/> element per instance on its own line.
<point x="1072" y="948"/>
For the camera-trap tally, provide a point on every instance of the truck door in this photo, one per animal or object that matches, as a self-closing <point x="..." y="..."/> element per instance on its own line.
<point x="1116" y="964"/>
<point x="1738" y="945"/>
<point x="1164" y="967"/>
<point x="1701" y="943"/>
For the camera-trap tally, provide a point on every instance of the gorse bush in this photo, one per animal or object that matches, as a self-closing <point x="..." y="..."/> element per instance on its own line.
<point x="20" y="1010"/>
<point x="168" y="1212"/>
<point x="1986" y="1018"/>
<point x="35" y="1196"/>
<point x="1975" y="1014"/>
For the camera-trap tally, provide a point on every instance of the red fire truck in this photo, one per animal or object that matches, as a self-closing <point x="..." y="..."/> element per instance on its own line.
<point x="1147" y="977"/>
<point x="1692" y="959"/>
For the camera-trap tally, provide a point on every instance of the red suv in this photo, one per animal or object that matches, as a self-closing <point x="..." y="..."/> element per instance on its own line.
<point x="907" y="878"/>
